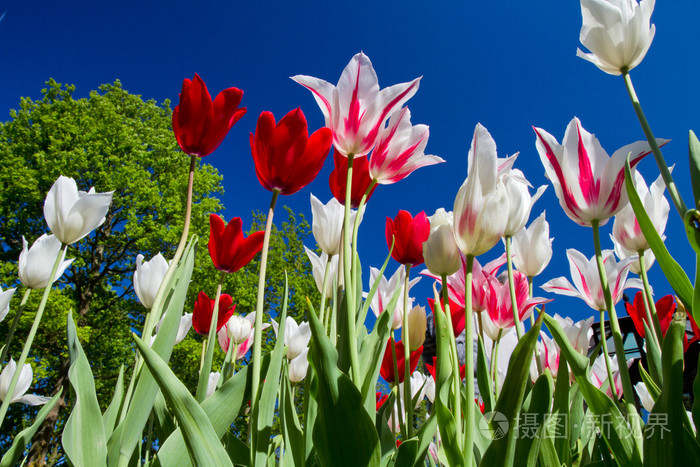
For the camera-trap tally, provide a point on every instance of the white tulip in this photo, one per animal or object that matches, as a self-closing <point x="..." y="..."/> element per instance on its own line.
<point x="23" y="383"/>
<point x="148" y="277"/>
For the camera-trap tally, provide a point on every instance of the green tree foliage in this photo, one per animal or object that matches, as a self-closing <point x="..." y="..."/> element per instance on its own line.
<point x="114" y="141"/>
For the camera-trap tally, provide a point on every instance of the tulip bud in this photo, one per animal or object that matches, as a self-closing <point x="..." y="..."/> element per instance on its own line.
<point x="532" y="247"/>
<point x="417" y="324"/>
<point x="440" y="251"/>
<point x="148" y="277"/>
<point x="239" y="329"/>
<point x="327" y="224"/>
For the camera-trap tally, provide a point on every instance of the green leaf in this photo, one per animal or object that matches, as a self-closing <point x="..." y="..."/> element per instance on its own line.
<point x="694" y="156"/>
<point x="560" y="410"/>
<point x="264" y="412"/>
<point x="537" y="406"/>
<point x="237" y="450"/>
<point x="653" y="356"/>
<point x="370" y="354"/>
<point x="668" y="440"/>
<point x="201" y="440"/>
<point x="387" y="438"/>
<point x="672" y="270"/>
<point x="340" y="409"/>
<point x="610" y="421"/>
<point x="653" y="389"/>
<point x="128" y="433"/>
<point x="234" y="394"/>
<point x="109" y="418"/>
<point x="483" y="378"/>
<point x="19" y="444"/>
<point x="84" y="435"/>
<point x="291" y="428"/>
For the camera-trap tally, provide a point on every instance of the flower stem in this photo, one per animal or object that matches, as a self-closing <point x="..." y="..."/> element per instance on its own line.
<point x="30" y="338"/>
<point x="649" y="306"/>
<point x="511" y="286"/>
<point x="453" y="351"/>
<point x="348" y="264"/>
<point x="494" y="360"/>
<point x="663" y="168"/>
<point x="628" y="391"/>
<point x="394" y="359"/>
<point x="530" y="288"/>
<point x="257" y="338"/>
<point x="211" y="343"/>
<point x="469" y="364"/>
<point x="13" y="327"/>
<point x="408" y="400"/>
<point x="606" y="355"/>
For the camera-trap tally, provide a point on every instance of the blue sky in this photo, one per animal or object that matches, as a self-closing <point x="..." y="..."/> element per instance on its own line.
<point x="508" y="65"/>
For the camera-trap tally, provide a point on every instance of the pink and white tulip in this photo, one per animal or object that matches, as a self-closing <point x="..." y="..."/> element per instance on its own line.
<point x="356" y="109"/>
<point x="584" y="273"/>
<point x="626" y="230"/>
<point x="590" y="184"/>
<point x="481" y="207"/>
<point x="599" y="374"/>
<point x="400" y="149"/>
<point x="532" y="247"/>
<point x="224" y="337"/>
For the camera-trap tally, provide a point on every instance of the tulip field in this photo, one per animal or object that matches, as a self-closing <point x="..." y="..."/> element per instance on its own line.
<point x="492" y="373"/>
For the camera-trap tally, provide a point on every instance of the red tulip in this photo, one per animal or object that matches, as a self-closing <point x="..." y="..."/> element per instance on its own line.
<point x="457" y="312"/>
<point x="381" y="398"/>
<point x="360" y="179"/>
<point x="286" y="157"/>
<point x="409" y="233"/>
<point x="387" y="368"/>
<point x="204" y="309"/>
<point x="199" y="124"/>
<point x="228" y="248"/>
<point x="665" y="307"/>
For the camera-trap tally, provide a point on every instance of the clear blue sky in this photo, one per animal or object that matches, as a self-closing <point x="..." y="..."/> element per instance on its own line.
<point x="508" y="65"/>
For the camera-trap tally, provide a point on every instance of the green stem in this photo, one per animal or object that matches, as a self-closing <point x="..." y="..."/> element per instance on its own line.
<point x="530" y="288"/>
<point x="469" y="415"/>
<point x="30" y="338"/>
<point x="511" y="285"/>
<point x="649" y="306"/>
<point x="494" y="359"/>
<point x="257" y="338"/>
<point x="13" y="327"/>
<point x="663" y="168"/>
<point x="348" y="261"/>
<point x="211" y="343"/>
<point x="322" y="309"/>
<point x="398" y="392"/>
<point x="355" y="230"/>
<point x="456" y="380"/>
<point x="408" y="400"/>
<point x="627" y="388"/>
<point x="606" y="354"/>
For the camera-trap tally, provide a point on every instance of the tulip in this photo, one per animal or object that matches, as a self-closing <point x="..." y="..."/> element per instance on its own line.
<point x="327" y="224"/>
<point x="387" y="368"/>
<point x="499" y="307"/>
<point x="224" y="335"/>
<point x="417" y="323"/>
<point x="72" y="214"/>
<point x="599" y="374"/>
<point x="148" y="277"/>
<point x="431" y="369"/>
<point x="238" y="328"/>
<point x="481" y="206"/>
<point x="617" y="32"/>
<point x="23" y="383"/>
<point x="318" y="270"/>
<point x="644" y="396"/>
<point x="182" y="330"/>
<point x="408" y="234"/>
<point x="385" y="292"/>
<point x="199" y="124"/>
<point x="36" y="263"/>
<point x="532" y="247"/>
<point x="520" y="201"/>
<point x="590" y="185"/>
<point x="584" y="273"/>
<point x="204" y="310"/>
<point x="298" y="366"/>
<point x="296" y="336"/>
<point x="626" y="230"/>
<point x="579" y="333"/>
<point x="228" y="248"/>
<point x="5" y="297"/>
<point x="457" y="312"/>
<point x="355" y="110"/>
<point x="624" y="253"/>
<point x="548" y="353"/>
<point x="361" y="180"/>
<point x="399" y="150"/>
<point x="286" y="157"/>
<point x="212" y="382"/>
<point x="440" y="250"/>
<point x="665" y="307"/>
